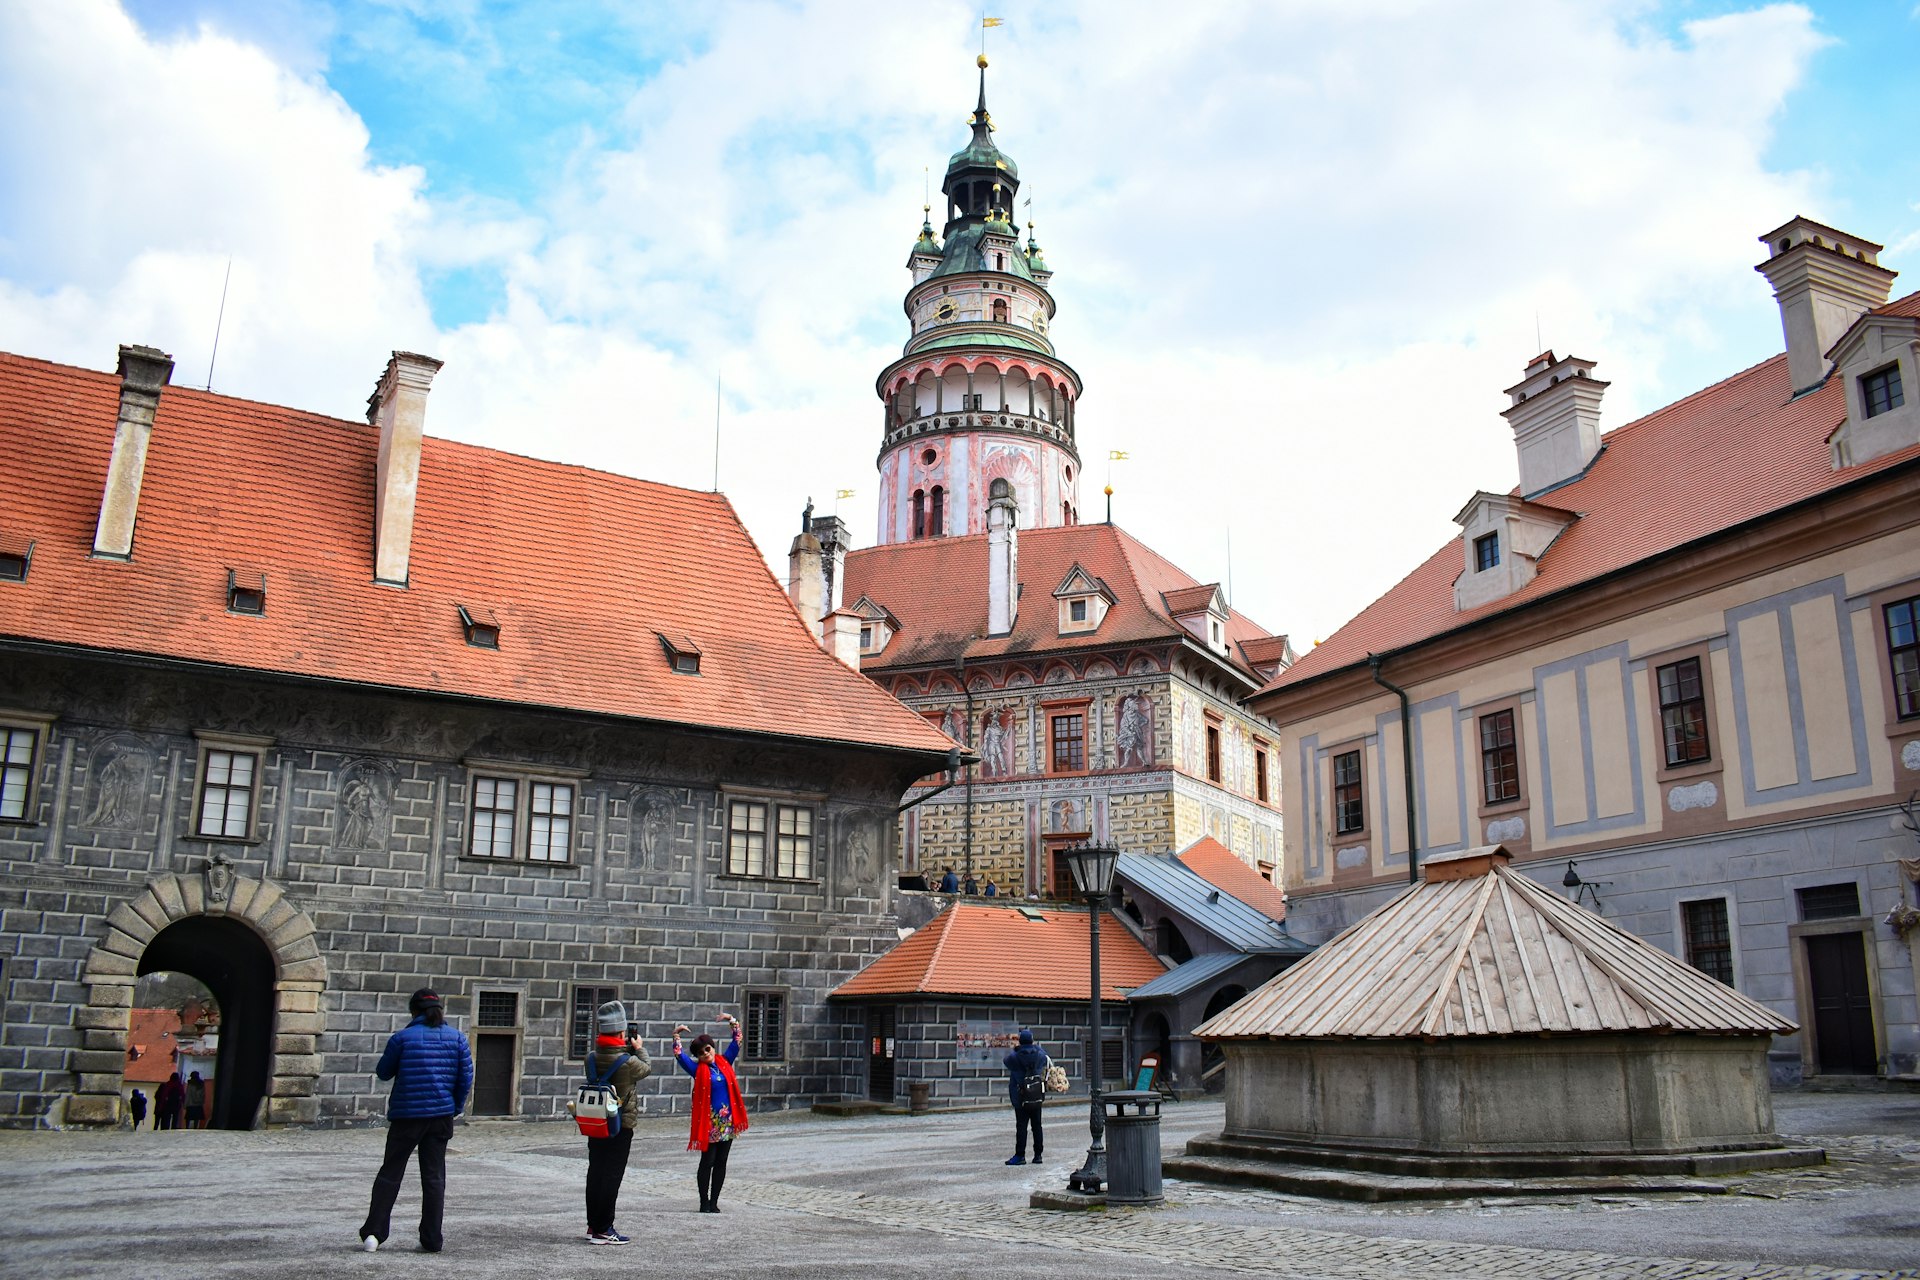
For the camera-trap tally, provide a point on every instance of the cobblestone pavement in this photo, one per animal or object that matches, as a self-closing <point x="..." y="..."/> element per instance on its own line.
<point x="921" y="1196"/>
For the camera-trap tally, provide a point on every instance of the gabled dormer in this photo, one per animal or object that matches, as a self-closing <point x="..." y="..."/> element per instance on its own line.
<point x="1268" y="655"/>
<point x="1084" y="601"/>
<point x="1202" y="610"/>
<point x="877" y="625"/>
<point x="1502" y="539"/>
<point x="1878" y="362"/>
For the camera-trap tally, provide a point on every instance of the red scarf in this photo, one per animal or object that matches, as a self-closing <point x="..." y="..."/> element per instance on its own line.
<point x="611" y="1042"/>
<point x="703" y="1102"/>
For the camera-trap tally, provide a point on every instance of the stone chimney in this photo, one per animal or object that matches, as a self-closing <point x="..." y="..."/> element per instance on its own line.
<point x="1823" y="280"/>
<point x="398" y="407"/>
<point x="841" y="635"/>
<point x="1555" y="418"/>
<point x="144" y="374"/>
<point x="835" y="538"/>
<point x="1003" y="558"/>
<point x="806" y="585"/>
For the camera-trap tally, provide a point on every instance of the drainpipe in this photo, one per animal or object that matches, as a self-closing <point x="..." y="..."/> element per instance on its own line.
<point x="960" y="665"/>
<point x="1406" y="749"/>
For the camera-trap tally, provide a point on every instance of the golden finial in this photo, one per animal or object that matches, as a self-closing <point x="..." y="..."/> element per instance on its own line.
<point x="1109" y="491"/>
<point x="981" y="62"/>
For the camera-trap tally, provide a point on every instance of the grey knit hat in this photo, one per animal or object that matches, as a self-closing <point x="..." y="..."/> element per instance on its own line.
<point x="613" y="1018"/>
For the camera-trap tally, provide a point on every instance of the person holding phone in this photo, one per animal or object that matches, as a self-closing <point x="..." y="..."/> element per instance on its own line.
<point x="719" y="1107"/>
<point x="617" y="1058"/>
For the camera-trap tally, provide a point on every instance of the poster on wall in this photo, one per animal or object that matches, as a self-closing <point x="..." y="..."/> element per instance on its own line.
<point x="984" y="1044"/>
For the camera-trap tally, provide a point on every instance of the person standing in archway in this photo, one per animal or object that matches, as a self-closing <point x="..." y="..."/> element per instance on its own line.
<point x="432" y="1070"/>
<point x="196" y="1101"/>
<point x="168" y="1099"/>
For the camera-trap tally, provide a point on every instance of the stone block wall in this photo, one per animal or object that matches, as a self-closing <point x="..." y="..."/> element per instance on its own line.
<point x="924" y="1046"/>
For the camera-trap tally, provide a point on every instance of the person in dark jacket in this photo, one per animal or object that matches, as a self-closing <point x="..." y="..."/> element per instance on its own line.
<point x="431" y="1070"/>
<point x="138" y="1104"/>
<point x="196" y="1096"/>
<point x="1027" y="1061"/>
<point x="168" y="1100"/>
<point x="607" y="1157"/>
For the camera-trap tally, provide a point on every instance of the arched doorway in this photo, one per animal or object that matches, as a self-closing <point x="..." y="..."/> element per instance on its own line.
<point x="233" y="962"/>
<point x="1212" y="1057"/>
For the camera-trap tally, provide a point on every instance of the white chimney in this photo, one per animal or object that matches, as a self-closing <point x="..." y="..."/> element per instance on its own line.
<point x="806" y="585"/>
<point x="1003" y="558"/>
<point x="398" y="407"/>
<point x="1824" y="280"/>
<point x="841" y="637"/>
<point x="1555" y="418"/>
<point x="144" y="373"/>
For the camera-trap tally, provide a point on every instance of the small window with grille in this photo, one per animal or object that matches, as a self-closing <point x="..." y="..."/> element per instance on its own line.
<point x="581" y="1028"/>
<point x="763" y="1035"/>
<point x="1829" y="901"/>
<point x="1709" y="940"/>
<point x="495" y="1009"/>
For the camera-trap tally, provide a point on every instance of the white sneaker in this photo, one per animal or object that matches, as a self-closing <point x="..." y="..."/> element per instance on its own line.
<point x="370" y="1243"/>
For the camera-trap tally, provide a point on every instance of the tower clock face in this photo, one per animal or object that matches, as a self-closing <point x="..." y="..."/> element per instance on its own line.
<point x="1039" y="324"/>
<point x="944" y="311"/>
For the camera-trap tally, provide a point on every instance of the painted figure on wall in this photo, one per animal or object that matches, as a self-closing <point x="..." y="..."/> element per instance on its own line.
<point x="1067" y="815"/>
<point x="951" y="726"/>
<point x="653" y="828"/>
<point x="1190" y="737"/>
<point x="121" y="768"/>
<point x="1133" y="736"/>
<point x="366" y="800"/>
<point x="996" y="744"/>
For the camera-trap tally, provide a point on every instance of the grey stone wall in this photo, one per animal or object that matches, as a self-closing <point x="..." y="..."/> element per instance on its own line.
<point x="924" y="1045"/>
<point x="362" y="821"/>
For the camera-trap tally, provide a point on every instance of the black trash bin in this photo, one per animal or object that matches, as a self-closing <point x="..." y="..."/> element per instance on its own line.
<point x="1133" y="1146"/>
<point x="918" y="1093"/>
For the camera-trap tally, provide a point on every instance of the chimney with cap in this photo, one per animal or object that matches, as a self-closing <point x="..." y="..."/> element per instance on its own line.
<point x="1003" y="558"/>
<point x="1555" y="418"/>
<point x="144" y="373"/>
<point x="806" y="584"/>
<point x="1824" y="280"/>
<point x="398" y="407"/>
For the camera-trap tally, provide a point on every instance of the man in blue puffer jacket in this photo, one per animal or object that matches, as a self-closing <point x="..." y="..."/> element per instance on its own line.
<point x="431" y="1070"/>
<point x="1026" y="1077"/>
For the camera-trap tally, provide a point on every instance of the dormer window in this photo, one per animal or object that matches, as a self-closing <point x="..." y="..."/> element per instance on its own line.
<point x="1486" y="552"/>
<point x="1084" y="601"/>
<point x="246" y="591"/>
<point x="1880" y="391"/>
<point x="1076" y="610"/>
<point x="481" y="627"/>
<point x="866" y="639"/>
<point x="683" y="655"/>
<point x="16" y="557"/>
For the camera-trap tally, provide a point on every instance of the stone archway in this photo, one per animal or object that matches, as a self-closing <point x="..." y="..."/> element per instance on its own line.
<point x="298" y="981"/>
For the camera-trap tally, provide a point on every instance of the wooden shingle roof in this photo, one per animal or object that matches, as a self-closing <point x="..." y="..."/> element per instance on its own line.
<point x="1477" y="949"/>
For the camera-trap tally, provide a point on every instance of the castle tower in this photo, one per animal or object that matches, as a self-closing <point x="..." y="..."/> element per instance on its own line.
<point x="978" y="394"/>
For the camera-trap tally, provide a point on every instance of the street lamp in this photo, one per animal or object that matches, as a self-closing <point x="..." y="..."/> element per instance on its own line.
<point x="1092" y="868"/>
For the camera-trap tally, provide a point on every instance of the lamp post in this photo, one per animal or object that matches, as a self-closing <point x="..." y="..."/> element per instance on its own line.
<point x="1092" y="868"/>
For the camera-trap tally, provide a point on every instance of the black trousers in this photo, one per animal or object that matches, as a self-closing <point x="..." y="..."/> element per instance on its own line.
<point x="606" y="1170"/>
<point x="431" y="1136"/>
<point x="1027" y="1114"/>
<point x="712" y="1173"/>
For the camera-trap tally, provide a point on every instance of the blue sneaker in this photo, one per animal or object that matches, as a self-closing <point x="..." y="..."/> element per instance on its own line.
<point x="1018" y="1160"/>
<point x="613" y="1236"/>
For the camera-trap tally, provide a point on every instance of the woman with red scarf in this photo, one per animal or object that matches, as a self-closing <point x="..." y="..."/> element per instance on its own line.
<point x="719" y="1107"/>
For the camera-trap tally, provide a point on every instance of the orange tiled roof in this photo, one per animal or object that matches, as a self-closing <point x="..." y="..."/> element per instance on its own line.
<point x="1219" y="867"/>
<point x="975" y="950"/>
<point x="581" y="568"/>
<point x="152" y="1032"/>
<point x="1733" y="452"/>
<point x="937" y="588"/>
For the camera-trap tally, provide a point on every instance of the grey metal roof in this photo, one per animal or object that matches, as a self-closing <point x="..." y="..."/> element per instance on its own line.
<point x="1233" y="922"/>
<point x="1185" y="977"/>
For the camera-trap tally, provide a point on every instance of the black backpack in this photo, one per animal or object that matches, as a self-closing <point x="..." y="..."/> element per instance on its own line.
<point x="1033" y="1085"/>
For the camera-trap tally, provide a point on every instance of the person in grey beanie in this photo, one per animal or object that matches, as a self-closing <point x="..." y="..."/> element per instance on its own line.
<point x="431" y="1069"/>
<point x="616" y="1050"/>
<point x="1027" y="1085"/>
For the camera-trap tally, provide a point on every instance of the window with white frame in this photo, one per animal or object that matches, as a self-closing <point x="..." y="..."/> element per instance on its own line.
<point x="229" y="792"/>
<point x="19" y="753"/>
<point x="789" y="853"/>
<point x="520" y="816"/>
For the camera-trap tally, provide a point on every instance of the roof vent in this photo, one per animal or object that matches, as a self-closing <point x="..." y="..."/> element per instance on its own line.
<point x="482" y="628"/>
<point x="683" y="655"/>
<point x="16" y="557"/>
<point x="246" y="591"/>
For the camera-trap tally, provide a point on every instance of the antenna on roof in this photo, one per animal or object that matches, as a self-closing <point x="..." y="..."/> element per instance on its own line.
<point x="1229" y="565"/>
<point x="716" y="430"/>
<point x="218" y="320"/>
<point x="1539" y="343"/>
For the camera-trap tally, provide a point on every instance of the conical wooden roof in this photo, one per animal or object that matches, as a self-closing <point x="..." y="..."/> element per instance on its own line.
<point x="1476" y="949"/>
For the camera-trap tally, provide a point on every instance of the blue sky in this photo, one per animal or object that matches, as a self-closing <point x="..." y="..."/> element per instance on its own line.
<point x="1299" y="247"/>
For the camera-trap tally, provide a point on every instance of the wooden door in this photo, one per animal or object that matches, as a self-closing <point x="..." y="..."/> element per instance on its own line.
<point x="880" y="1053"/>
<point x="493" y="1074"/>
<point x="1842" y="1012"/>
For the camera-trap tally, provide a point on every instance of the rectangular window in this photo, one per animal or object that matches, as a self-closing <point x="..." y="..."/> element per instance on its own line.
<point x="1348" y="814"/>
<point x="17" y="748"/>
<point x="1829" y="901"/>
<point x="497" y="1009"/>
<point x="1486" y="552"/>
<point x="747" y="838"/>
<point x="763" y="1033"/>
<point x="226" y="794"/>
<point x="1499" y="758"/>
<point x="582" y="1028"/>
<point x="1077" y="610"/>
<point x="1069" y="743"/>
<point x="1683" y="712"/>
<point x="1709" y="942"/>
<point x="793" y="844"/>
<point x="495" y="803"/>
<point x="550" y="824"/>
<point x="1880" y="391"/>
<point x="1260" y="776"/>
<point x="1213" y="753"/>
<point x="1903" y="655"/>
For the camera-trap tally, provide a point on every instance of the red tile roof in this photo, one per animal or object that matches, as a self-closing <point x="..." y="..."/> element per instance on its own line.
<point x="151" y="1032"/>
<point x="580" y="568"/>
<point x="1221" y="868"/>
<point x="975" y="950"/>
<point x="937" y="588"/>
<point x="1730" y="453"/>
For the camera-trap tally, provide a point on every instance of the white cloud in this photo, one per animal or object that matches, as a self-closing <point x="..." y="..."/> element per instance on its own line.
<point x="1299" y="249"/>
